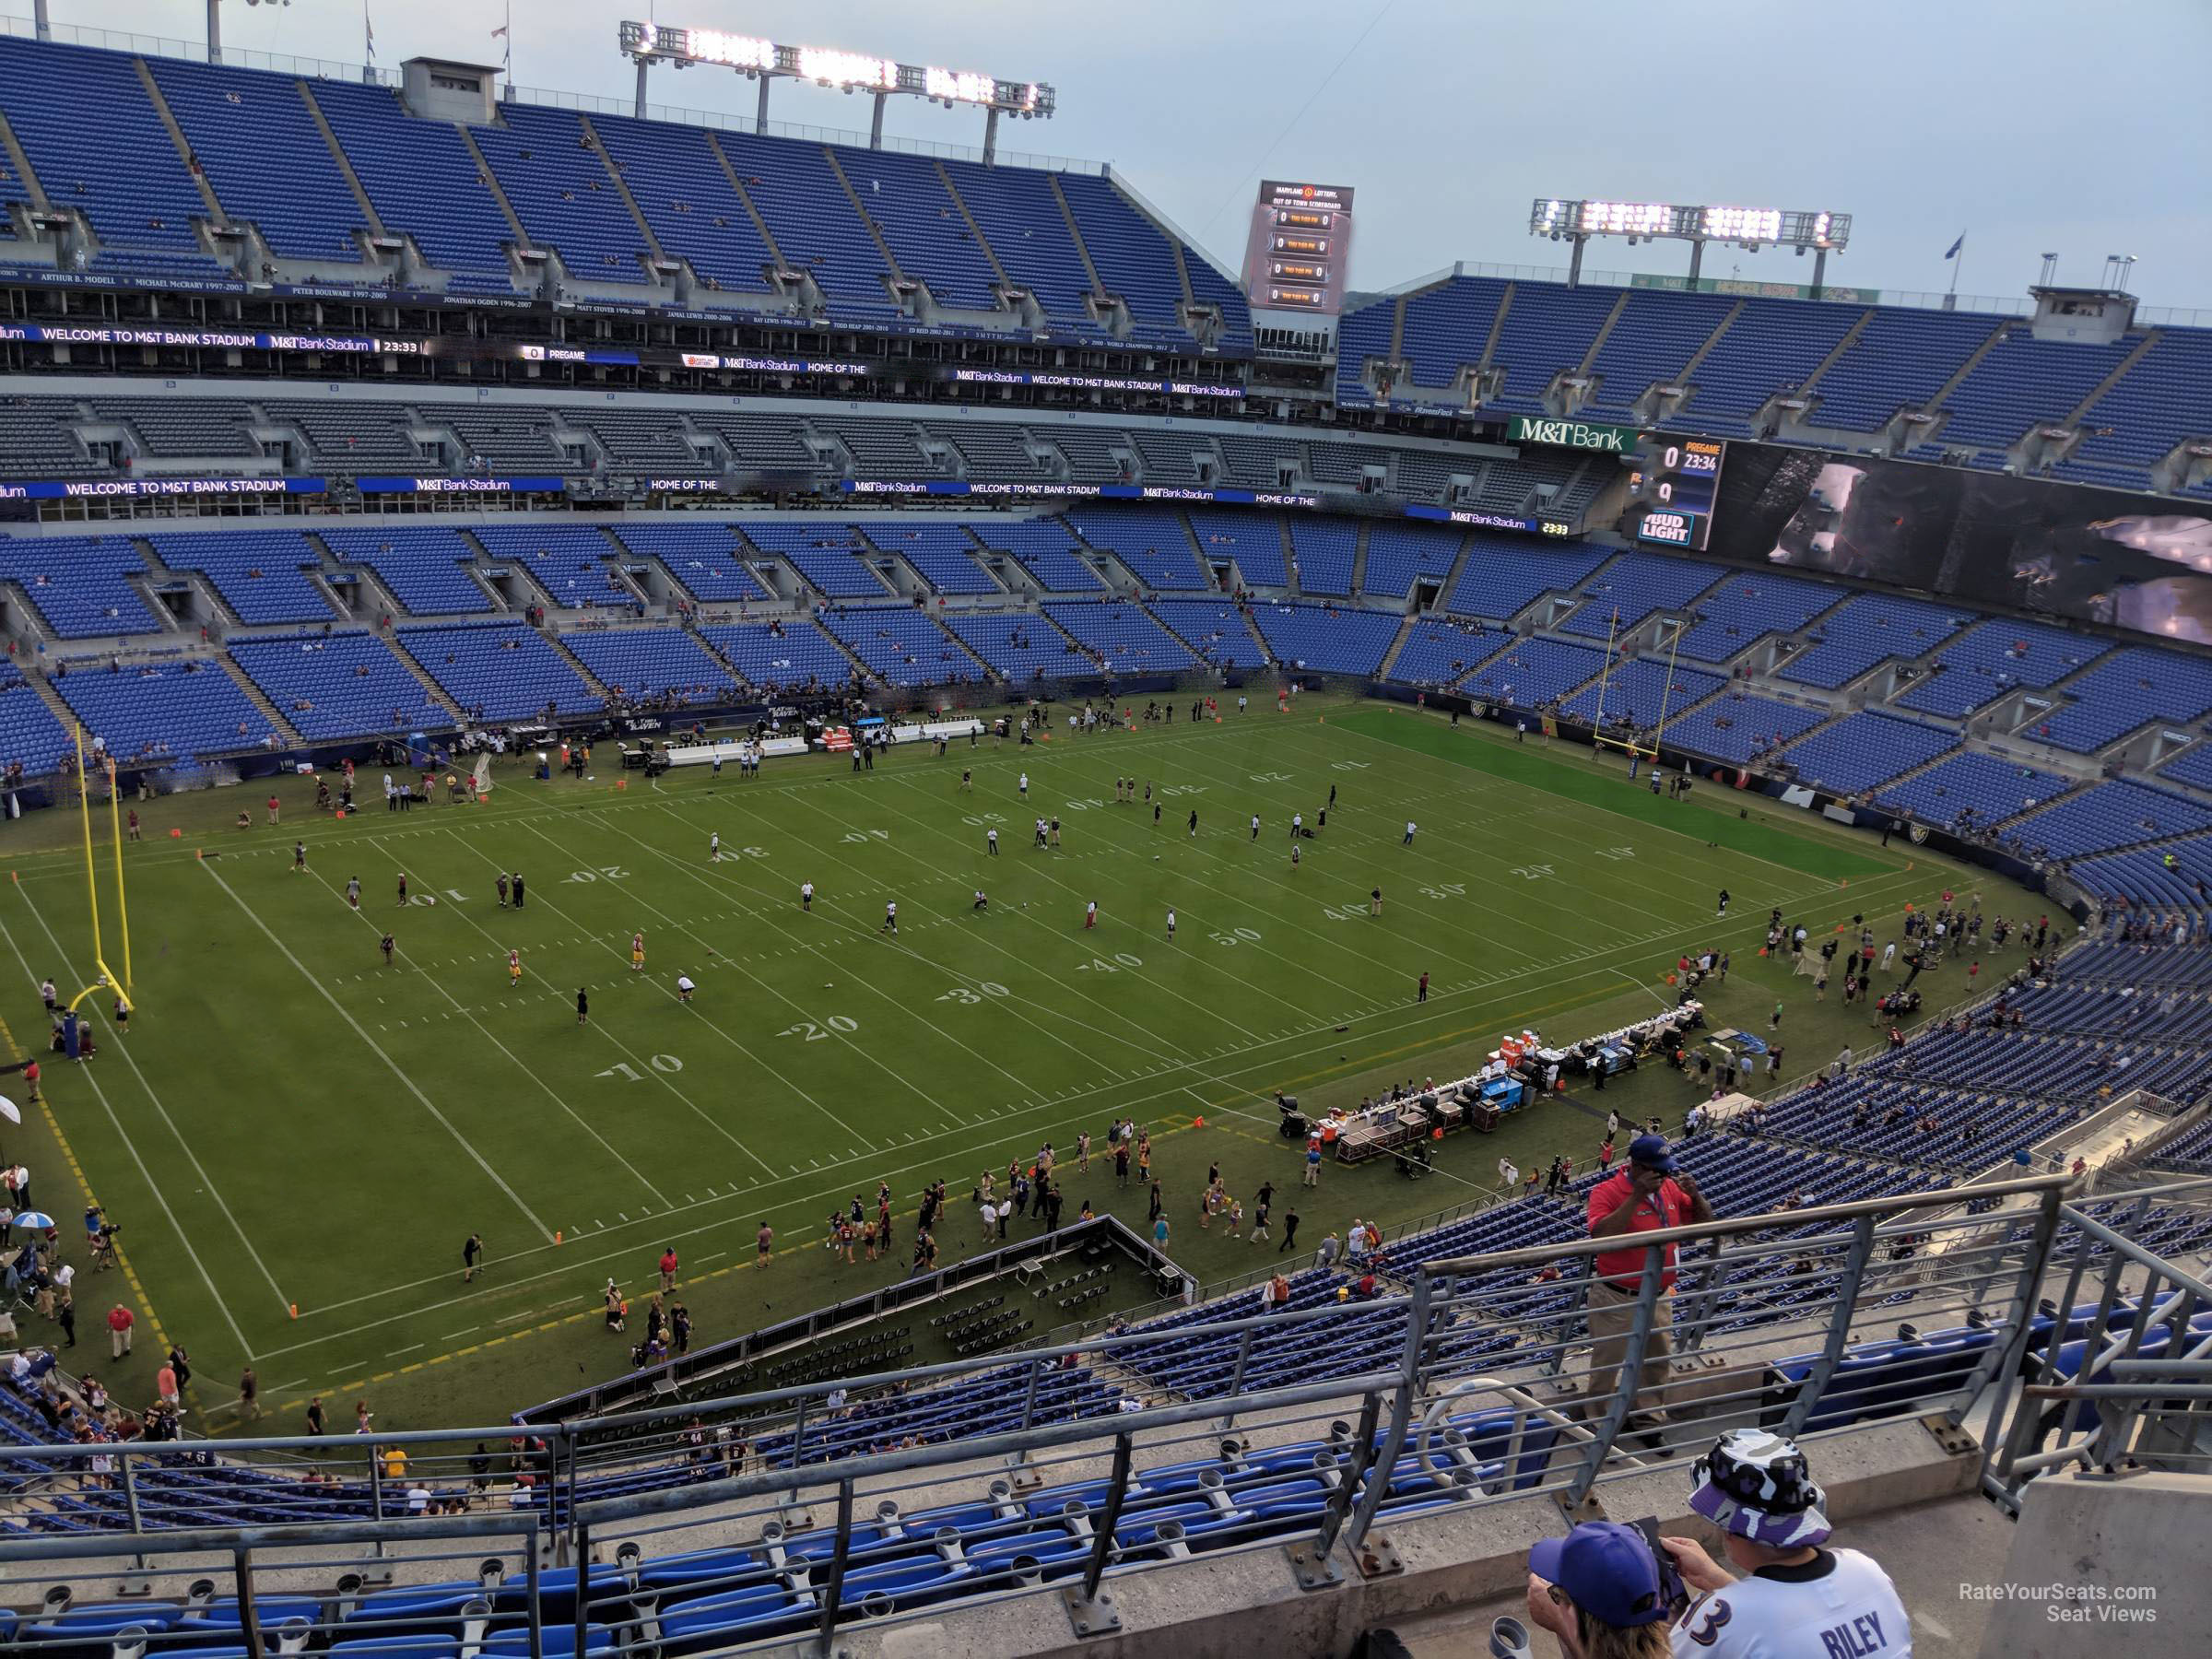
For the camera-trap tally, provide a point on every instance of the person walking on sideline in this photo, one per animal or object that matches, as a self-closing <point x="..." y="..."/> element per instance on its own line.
<point x="584" y="1008"/>
<point x="472" y="1254"/>
<point x="120" y="1320"/>
<point x="1423" y="995"/>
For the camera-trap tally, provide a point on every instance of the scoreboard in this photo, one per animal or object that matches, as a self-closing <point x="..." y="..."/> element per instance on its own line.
<point x="1673" y="487"/>
<point x="1297" y="256"/>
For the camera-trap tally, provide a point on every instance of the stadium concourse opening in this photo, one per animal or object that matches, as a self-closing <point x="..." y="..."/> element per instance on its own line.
<point x="1046" y="944"/>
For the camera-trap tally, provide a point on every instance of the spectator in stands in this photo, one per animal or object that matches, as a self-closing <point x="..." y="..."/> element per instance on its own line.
<point x="1651" y="1193"/>
<point x="1601" y="1592"/>
<point x="1757" y="1490"/>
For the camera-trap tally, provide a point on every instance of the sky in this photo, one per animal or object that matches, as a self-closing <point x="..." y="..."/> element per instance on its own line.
<point x="2028" y="127"/>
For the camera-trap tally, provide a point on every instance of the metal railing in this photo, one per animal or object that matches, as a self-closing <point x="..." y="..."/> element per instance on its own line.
<point x="798" y="1510"/>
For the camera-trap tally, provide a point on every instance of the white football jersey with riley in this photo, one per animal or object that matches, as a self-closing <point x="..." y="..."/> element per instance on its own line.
<point x="1839" y="1605"/>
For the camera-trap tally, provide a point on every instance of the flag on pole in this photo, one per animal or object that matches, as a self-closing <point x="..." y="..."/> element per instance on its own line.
<point x="369" y="29"/>
<point x="1952" y="252"/>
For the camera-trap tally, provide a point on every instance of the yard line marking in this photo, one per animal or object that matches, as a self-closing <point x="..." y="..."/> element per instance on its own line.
<point x="670" y="922"/>
<point x="159" y="1197"/>
<point x="620" y="1046"/>
<point x="550" y="1092"/>
<point x="411" y="1348"/>
<point x="1440" y="1004"/>
<point x="378" y="1050"/>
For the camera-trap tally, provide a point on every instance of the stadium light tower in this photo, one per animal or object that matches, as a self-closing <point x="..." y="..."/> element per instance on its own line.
<point x="766" y="62"/>
<point x="1750" y="228"/>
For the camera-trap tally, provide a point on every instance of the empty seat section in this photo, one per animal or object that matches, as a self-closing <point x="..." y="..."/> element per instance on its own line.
<point x="1655" y="337"/>
<point x="1504" y="575"/>
<point x="1217" y="630"/>
<point x="940" y="555"/>
<point x="1400" y="555"/>
<point x="76" y="583"/>
<point x="260" y="573"/>
<point x="1155" y="545"/>
<point x="1773" y="347"/>
<point x="122" y="169"/>
<point x="498" y="671"/>
<point x="881" y="449"/>
<point x="560" y="189"/>
<point x="641" y="438"/>
<point x="1533" y="674"/>
<point x="991" y="450"/>
<point x="1744" y="607"/>
<point x="678" y="184"/>
<point x="1328" y="641"/>
<point x="922" y="226"/>
<point x="792" y="655"/>
<point x="1631" y="588"/>
<point x="349" y="432"/>
<point x="811" y="220"/>
<point x="36" y="441"/>
<point x="1899" y="360"/>
<point x="183" y="428"/>
<point x="1866" y="748"/>
<point x="1022" y="224"/>
<point x="1740" y="727"/>
<point x="571" y="562"/>
<point x="1133" y="259"/>
<point x="1995" y="657"/>
<point x="706" y="559"/>
<point x="267" y="160"/>
<point x="423" y="182"/>
<point x="2113" y="814"/>
<point x="1252" y="541"/>
<point x="1324" y="551"/>
<point x="830" y="556"/>
<point x="1023" y="648"/>
<point x="664" y="665"/>
<point x="1547" y="331"/>
<point x="1048" y="550"/>
<point x="1969" y="793"/>
<point x="762" y="444"/>
<point x="900" y="645"/>
<point x="1121" y="637"/>
<point x="1362" y="338"/>
<point x="339" y="685"/>
<point x="2133" y="686"/>
<point x="1446" y="329"/>
<point x="422" y="566"/>
<point x="1643" y="692"/>
<point x="1438" y="650"/>
<point x="2025" y="380"/>
<point x="506" y="436"/>
<point x="30" y="735"/>
<point x="163" y="710"/>
<point x="1868" y="629"/>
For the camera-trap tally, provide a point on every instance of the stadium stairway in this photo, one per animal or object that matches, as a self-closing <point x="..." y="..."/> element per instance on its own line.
<point x="260" y="700"/>
<point x="982" y="242"/>
<point x="491" y="180"/>
<point x="345" y="166"/>
<point x="1074" y="231"/>
<point x="176" y="136"/>
<point x="1359" y="565"/>
<point x="621" y="184"/>
<point x="860" y="211"/>
<point x="1291" y="589"/>
<point x="1390" y="657"/>
<point x="430" y="687"/>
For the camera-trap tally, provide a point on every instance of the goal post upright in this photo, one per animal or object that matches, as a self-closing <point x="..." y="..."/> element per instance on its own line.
<point x="108" y="976"/>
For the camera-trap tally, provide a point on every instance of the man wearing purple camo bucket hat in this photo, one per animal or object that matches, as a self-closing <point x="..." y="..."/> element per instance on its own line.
<point x="1797" y="1595"/>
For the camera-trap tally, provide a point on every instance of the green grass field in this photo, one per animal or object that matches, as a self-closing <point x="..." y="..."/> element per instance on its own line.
<point x="291" y="1123"/>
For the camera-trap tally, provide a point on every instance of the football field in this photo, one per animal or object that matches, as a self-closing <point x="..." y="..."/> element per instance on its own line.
<point x="296" y="1136"/>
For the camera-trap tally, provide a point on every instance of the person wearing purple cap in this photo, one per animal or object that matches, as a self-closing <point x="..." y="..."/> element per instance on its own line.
<point x="1602" y="1591"/>
<point x="1796" y="1594"/>
<point x="1651" y="1193"/>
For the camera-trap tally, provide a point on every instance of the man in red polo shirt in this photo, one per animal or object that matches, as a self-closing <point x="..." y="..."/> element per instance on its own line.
<point x="1651" y="1193"/>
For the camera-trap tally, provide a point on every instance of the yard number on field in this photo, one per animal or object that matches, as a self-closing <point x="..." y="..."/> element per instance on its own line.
<point x="603" y="873"/>
<point x="837" y="1023"/>
<point x="963" y="995"/>
<point x="1532" y="872"/>
<point x="1617" y="852"/>
<point x="1235" y="936"/>
<point x="1445" y="889"/>
<point x="628" y="1073"/>
<point x="1122" y="958"/>
<point x="863" y="837"/>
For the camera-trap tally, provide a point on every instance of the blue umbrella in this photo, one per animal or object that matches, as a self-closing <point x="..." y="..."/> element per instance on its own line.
<point x="36" y="1220"/>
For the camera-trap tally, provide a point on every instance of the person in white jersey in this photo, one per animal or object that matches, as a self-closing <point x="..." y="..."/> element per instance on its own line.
<point x="1796" y="1595"/>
